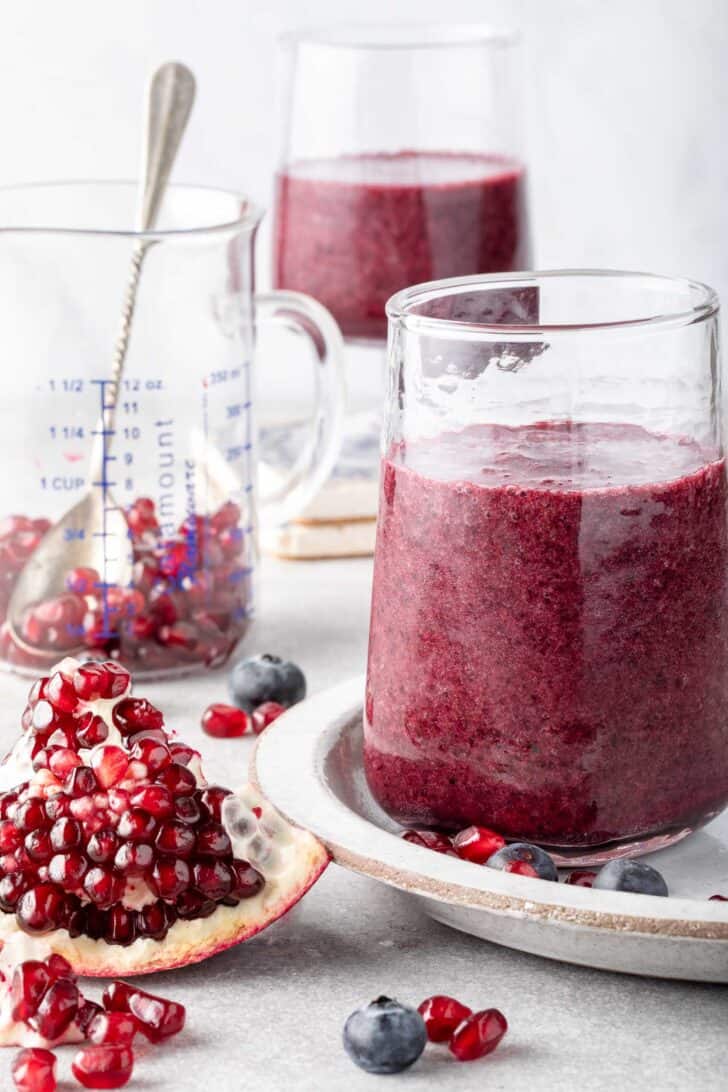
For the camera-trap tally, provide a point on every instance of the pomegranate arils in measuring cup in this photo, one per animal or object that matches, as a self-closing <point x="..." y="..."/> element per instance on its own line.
<point x="478" y="1035"/>
<point x="442" y="1014"/>
<point x="103" y="1066"/>
<point x="34" y="1070"/>
<point x="225" y="721"/>
<point x="188" y="602"/>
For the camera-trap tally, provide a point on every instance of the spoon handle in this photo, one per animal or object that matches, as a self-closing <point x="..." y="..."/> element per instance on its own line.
<point x="170" y="97"/>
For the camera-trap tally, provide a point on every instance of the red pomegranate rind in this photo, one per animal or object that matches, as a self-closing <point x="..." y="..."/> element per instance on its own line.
<point x="442" y="1014"/>
<point x="103" y="1066"/>
<point x="478" y="1035"/>
<point x="120" y="859"/>
<point x="34" y="1070"/>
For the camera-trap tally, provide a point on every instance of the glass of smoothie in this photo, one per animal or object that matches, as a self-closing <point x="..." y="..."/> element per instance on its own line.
<point x="401" y="162"/>
<point x="549" y="633"/>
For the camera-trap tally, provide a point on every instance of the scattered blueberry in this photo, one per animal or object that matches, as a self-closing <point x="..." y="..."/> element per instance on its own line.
<point x="384" y="1037"/>
<point x="266" y="678"/>
<point x="628" y="875"/>
<point x="524" y="860"/>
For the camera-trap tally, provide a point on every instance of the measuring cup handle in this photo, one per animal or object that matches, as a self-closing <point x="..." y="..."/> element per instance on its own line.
<point x="313" y="465"/>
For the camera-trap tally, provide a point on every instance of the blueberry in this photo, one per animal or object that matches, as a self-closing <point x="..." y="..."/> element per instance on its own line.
<point x="524" y="859"/>
<point x="628" y="875"/>
<point x="384" y="1037"/>
<point x="266" y="678"/>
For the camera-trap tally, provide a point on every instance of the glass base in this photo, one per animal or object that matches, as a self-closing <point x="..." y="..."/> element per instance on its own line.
<point x="580" y="856"/>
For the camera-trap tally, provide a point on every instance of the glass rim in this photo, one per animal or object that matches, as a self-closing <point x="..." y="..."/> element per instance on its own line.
<point x="405" y="35"/>
<point x="250" y="216"/>
<point x="399" y="306"/>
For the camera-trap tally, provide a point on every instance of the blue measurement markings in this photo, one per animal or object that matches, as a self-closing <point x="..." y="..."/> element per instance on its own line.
<point x="105" y="483"/>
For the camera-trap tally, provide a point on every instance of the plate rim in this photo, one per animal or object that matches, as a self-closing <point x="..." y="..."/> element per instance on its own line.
<point x="299" y="741"/>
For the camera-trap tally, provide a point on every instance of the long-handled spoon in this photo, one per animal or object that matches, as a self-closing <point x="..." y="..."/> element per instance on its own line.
<point x="94" y="533"/>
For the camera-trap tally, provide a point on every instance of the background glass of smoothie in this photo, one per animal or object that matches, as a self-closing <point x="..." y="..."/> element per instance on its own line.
<point x="401" y="162"/>
<point x="549" y="634"/>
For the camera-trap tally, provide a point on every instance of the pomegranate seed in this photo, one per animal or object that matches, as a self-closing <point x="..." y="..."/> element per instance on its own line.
<point x="30" y="816"/>
<point x="109" y="765"/>
<point x="56" y="1010"/>
<point x="62" y="761"/>
<point x="65" y="834"/>
<point x="112" y="1027"/>
<point x="175" y="839"/>
<point x="57" y="807"/>
<point x="191" y="905"/>
<point x="521" y="868"/>
<point x="118" y="679"/>
<point x="8" y="800"/>
<point x="90" y="682"/>
<point x="59" y="967"/>
<point x="103" y="1066"/>
<point x="213" y="841"/>
<point x="61" y="694"/>
<point x="178" y="779"/>
<point x="86" y="1013"/>
<point x="478" y="1035"/>
<point x="442" y="1014"/>
<point x="151" y="752"/>
<point x="581" y="878"/>
<point x="477" y="844"/>
<point x="43" y="716"/>
<point x="718" y="898"/>
<point x="225" y="721"/>
<point x="429" y="839"/>
<point x="101" y="847"/>
<point x="265" y="714"/>
<point x="10" y="836"/>
<point x="34" y="1070"/>
<point x="212" y="797"/>
<point x="39" y="909"/>
<point x="187" y="810"/>
<point x="67" y="869"/>
<point x="213" y="879"/>
<point x="158" y="1017"/>
<point x="11" y="888"/>
<point x="81" y="781"/>
<point x="121" y="926"/>
<point x="38" y="845"/>
<point x="91" y="730"/>
<point x="247" y="882"/>
<point x="154" y="799"/>
<point x="181" y="753"/>
<point x="169" y="879"/>
<point x="152" y="921"/>
<point x="137" y="826"/>
<point x="133" y="858"/>
<point x="102" y="887"/>
<point x="82" y="581"/>
<point x="135" y="714"/>
<point x="29" y="982"/>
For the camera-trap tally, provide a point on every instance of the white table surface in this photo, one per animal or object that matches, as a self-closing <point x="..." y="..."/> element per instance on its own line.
<point x="268" y="1014"/>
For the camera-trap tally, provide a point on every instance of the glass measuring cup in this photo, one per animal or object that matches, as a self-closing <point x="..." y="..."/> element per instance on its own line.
<point x="549" y="636"/>
<point x="181" y="462"/>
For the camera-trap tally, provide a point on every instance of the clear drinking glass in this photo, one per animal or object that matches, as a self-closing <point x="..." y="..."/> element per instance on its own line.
<point x="182" y="460"/>
<point x="402" y="161"/>
<point x="549" y="636"/>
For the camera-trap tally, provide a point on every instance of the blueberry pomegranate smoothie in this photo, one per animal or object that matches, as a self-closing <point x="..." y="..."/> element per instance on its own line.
<point x="549" y="640"/>
<point x="352" y="230"/>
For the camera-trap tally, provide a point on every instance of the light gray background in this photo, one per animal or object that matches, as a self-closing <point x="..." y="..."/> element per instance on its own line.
<point x="627" y="105"/>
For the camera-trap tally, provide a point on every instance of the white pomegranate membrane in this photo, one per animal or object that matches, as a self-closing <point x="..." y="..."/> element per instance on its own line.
<point x="188" y="602"/>
<point x="114" y="849"/>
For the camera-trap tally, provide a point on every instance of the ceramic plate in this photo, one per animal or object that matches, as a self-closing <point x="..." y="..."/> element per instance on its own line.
<point x="309" y="764"/>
